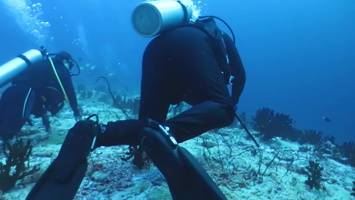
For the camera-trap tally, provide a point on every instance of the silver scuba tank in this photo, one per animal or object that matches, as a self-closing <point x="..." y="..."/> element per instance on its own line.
<point x="152" y="17"/>
<point x="14" y="67"/>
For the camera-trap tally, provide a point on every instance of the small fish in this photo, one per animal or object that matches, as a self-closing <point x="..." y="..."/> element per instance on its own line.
<point x="327" y="119"/>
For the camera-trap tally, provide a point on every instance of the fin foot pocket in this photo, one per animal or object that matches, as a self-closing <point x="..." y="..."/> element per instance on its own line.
<point x="186" y="178"/>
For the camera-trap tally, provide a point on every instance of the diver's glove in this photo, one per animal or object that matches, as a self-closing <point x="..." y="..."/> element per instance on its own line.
<point x="235" y="108"/>
<point x="77" y="115"/>
<point x="46" y="122"/>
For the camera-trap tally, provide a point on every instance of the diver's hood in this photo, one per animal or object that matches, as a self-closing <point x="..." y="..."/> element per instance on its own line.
<point x="63" y="55"/>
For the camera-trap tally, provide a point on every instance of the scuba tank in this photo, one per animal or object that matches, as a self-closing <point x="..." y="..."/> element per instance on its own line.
<point x="17" y="65"/>
<point x="153" y="17"/>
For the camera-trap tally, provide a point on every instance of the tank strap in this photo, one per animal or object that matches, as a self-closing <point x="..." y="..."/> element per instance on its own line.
<point x="28" y="62"/>
<point x="185" y="11"/>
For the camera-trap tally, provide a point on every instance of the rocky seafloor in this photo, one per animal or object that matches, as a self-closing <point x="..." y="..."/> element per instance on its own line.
<point x="240" y="169"/>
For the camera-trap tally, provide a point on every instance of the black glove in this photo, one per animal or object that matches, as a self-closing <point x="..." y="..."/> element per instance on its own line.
<point x="235" y="108"/>
<point x="46" y="122"/>
<point x="77" y="115"/>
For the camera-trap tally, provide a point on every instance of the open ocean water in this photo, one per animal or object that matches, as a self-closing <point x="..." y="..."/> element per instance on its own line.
<point x="298" y="54"/>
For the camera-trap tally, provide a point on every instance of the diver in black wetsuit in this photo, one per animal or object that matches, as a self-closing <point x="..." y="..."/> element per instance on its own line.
<point x="36" y="91"/>
<point x="183" y="63"/>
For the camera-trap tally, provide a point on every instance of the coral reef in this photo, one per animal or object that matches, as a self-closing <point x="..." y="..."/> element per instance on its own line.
<point x="131" y="104"/>
<point x="17" y="163"/>
<point x="311" y="137"/>
<point x="294" y="135"/>
<point x="314" y="174"/>
<point x="271" y="124"/>
<point x="139" y="157"/>
<point x="348" y="151"/>
<point x="276" y="170"/>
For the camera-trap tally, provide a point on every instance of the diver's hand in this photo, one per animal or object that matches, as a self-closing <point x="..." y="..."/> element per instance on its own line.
<point x="49" y="130"/>
<point x="235" y="108"/>
<point x="77" y="117"/>
<point x="77" y="114"/>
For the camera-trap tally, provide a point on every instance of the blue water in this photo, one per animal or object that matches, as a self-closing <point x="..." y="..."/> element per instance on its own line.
<point x="299" y="54"/>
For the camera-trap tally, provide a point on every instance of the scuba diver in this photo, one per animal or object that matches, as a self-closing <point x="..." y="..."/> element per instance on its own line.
<point x="37" y="88"/>
<point x="190" y="61"/>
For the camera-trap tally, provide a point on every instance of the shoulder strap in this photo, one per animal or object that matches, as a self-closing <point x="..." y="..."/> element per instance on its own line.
<point x="209" y="26"/>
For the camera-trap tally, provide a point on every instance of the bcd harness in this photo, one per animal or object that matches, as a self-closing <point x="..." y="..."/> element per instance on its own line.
<point x="208" y="26"/>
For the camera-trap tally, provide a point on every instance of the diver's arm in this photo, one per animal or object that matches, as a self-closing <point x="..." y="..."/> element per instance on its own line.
<point x="69" y="89"/>
<point x="237" y="69"/>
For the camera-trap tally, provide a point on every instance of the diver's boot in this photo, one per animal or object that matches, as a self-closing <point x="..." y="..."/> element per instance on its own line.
<point x="63" y="177"/>
<point x="186" y="177"/>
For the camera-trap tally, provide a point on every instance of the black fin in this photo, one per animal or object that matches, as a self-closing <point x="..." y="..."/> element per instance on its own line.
<point x="186" y="178"/>
<point x="201" y="185"/>
<point x="49" y="188"/>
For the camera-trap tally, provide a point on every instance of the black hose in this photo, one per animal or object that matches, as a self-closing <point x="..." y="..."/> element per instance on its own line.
<point x="113" y="98"/>
<point x="246" y="129"/>
<point x="224" y="22"/>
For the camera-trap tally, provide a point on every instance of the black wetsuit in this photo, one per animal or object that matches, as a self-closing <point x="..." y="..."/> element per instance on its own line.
<point x="35" y="91"/>
<point x="181" y="65"/>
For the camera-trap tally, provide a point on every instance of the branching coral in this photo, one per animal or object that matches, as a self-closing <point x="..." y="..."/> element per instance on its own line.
<point x="17" y="163"/>
<point x="314" y="174"/>
<point x="131" y="104"/>
<point x="311" y="137"/>
<point x="271" y="124"/>
<point x="348" y="150"/>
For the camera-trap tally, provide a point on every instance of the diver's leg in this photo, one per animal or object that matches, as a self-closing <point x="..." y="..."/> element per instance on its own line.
<point x="63" y="177"/>
<point x="16" y="105"/>
<point x="186" y="178"/>
<point x="123" y="132"/>
<point x="200" y="118"/>
<point x="193" y="76"/>
<point x="158" y="83"/>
